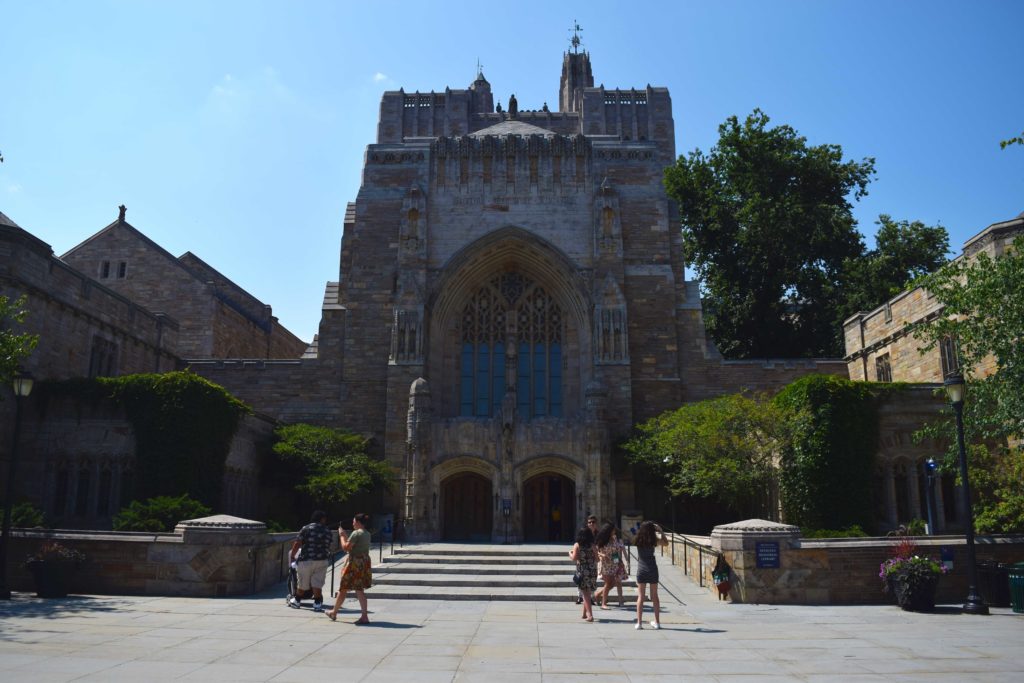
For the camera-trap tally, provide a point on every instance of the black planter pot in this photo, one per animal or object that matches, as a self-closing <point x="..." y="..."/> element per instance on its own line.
<point x="51" y="578"/>
<point x="918" y="596"/>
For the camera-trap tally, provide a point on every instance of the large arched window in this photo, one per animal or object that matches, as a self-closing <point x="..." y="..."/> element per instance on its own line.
<point x="511" y="332"/>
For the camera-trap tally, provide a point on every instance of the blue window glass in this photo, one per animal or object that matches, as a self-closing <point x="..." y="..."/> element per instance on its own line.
<point x="555" y="375"/>
<point x="497" y="377"/>
<point x="523" y="380"/>
<point x="540" y="367"/>
<point x="483" y="381"/>
<point x="466" y="381"/>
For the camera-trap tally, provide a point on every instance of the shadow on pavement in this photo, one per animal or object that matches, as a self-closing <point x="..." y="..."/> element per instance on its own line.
<point x="49" y="608"/>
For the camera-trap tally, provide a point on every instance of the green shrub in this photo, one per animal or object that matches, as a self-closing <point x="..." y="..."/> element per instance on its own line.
<point x="25" y="516"/>
<point x="826" y="480"/>
<point x="159" y="514"/>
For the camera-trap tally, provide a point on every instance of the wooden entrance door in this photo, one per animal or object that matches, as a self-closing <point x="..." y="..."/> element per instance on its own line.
<point x="466" y="508"/>
<point x="549" y="513"/>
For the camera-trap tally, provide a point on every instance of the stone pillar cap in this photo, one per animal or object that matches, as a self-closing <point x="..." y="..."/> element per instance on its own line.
<point x="758" y="525"/>
<point x="220" y="523"/>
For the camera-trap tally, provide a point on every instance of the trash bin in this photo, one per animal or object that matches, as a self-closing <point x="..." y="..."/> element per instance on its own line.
<point x="994" y="583"/>
<point x="1017" y="587"/>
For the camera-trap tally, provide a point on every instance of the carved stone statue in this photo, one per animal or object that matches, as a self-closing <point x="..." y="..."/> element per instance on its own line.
<point x="513" y="106"/>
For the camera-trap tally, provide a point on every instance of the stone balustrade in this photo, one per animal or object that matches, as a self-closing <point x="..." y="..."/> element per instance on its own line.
<point x="772" y="564"/>
<point x="209" y="557"/>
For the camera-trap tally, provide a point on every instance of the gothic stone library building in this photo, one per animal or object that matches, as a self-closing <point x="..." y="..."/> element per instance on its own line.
<point x="511" y="301"/>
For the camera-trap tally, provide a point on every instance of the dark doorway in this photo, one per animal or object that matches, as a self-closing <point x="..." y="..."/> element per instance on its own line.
<point x="467" y="508"/>
<point x="549" y="512"/>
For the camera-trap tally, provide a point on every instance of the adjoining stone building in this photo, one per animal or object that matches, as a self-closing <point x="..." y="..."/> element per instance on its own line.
<point x="217" y="318"/>
<point x="511" y="301"/>
<point x="119" y="316"/>
<point x="880" y="348"/>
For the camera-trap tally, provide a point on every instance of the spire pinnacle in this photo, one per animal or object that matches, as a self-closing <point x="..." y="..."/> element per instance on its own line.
<point x="576" y="41"/>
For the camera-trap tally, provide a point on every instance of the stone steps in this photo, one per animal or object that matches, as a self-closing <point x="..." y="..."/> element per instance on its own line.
<point x="441" y="571"/>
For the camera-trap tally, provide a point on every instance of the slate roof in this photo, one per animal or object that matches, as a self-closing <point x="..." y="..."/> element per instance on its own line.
<point x="511" y="127"/>
<point x="4" y="220"/>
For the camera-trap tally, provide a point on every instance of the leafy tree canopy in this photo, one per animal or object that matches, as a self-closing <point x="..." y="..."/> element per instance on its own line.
<point x="14" y="346"/>
<point x="768" y="228"/>
<point x="159" y="514"/>
<point x="720" y="448"/>
<point x="333" y="462"/>
<point x="904" y="250"/>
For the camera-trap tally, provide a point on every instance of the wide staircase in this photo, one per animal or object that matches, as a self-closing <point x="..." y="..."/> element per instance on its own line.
<point x="449" y="571"/>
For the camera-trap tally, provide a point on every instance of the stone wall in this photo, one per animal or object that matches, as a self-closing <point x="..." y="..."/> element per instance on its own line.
<point x="211" y="557"/>
<point x="78" y="319"/>
<point x="837" y="571"/>
<point x="883" y="332"/>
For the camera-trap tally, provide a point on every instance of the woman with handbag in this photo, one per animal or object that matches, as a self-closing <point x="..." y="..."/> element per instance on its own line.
<point x="610" y="552"/>
<point x="355" y="575"/>
<point x="583" y="555"/>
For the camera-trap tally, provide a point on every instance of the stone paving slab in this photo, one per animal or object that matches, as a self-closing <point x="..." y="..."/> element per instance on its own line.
<point x="110" y="638"/>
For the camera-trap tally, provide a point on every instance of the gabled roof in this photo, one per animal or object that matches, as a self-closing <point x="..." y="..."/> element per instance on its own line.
<point x="4" y="220"/>
<point x="511" y="127"/>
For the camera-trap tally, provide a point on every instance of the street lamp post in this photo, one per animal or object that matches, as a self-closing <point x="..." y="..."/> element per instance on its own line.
<point x="955" y="388"/>
<point x="22" y="384"/>
<point x="929" y="476"/>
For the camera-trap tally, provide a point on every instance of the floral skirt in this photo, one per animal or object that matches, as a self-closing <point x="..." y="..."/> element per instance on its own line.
<point x="355" y="575"/>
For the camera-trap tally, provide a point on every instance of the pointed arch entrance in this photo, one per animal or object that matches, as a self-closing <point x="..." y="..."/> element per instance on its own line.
<point x="549" y="509"/>
<point x="466" y="507"/>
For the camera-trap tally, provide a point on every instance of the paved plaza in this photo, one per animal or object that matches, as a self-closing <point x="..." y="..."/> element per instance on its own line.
<point x="106" y="638"/>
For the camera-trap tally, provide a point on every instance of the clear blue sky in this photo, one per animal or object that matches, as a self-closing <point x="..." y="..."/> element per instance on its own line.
<point x="236" y="130"/>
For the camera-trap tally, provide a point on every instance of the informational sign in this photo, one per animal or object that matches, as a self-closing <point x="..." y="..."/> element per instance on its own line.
<point x="946" y="556"/>
<point x="767" y="555"/>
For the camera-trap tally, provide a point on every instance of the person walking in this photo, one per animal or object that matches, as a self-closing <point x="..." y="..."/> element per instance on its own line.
<point x="610" y="552"/>
<point x="586" y="567"/>
<point x="648" y="537"/>
<point x="355" y="575"/>
<point x="592" y="525"/>
<point x="309" y="552"/>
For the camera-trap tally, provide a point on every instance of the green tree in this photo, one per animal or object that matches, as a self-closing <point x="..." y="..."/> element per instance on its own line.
<point x="768" y="228"/>
<point x="721" y="448"/>
<point x="332" y="463"/>
<point x="1018" y="140"/>
<point x="159" y="514"/>
<point x="14" y="346"/>
<point x="904" y="251"/>
<point x="983" y="310"/>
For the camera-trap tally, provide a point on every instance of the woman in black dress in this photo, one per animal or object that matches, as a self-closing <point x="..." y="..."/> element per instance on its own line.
<point x="648" y="536"/>
<point x="586" y="565"/>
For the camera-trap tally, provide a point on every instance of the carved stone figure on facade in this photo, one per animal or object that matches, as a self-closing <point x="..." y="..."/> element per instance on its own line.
<point x="513" y="107"/>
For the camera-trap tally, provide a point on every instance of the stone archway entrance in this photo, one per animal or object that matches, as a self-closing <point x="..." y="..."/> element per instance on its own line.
<point x="466" y="507"/>
<point x="549" y="510"/>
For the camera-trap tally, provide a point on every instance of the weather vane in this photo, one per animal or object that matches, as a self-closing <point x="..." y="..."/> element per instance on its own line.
<point x="576" y="41"/>
<point x="479" y="69"/>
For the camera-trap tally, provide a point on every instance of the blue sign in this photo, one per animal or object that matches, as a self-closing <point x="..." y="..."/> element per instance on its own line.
<point x="767" y="555"/>
<point x="946" y="554"/>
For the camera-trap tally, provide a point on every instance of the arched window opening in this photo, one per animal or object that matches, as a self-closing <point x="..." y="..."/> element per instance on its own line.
<point x="511" y="331"/>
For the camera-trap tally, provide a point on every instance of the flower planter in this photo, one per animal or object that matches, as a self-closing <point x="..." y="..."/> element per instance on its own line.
<point x="51" y="578"/>
<point x="916" y="596"/>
